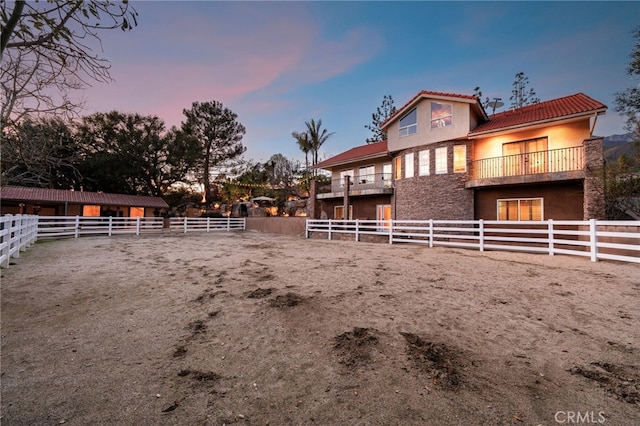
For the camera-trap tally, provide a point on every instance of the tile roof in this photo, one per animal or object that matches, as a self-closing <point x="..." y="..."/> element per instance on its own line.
<point x="556" y="109"/>
<point x="79" y="197"/>
<point x="429" y="94"/>
<point x="362" y="152"/>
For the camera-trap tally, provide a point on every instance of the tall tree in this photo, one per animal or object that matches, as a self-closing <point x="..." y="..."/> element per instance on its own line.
<point x="134" y="154"/>
<point x="41" y="153"/>
<point x="628" y="102"/>
<point x="384" y="111"/>
<point x="46" y="53"/>
<point x="522" y="94"/>
<point x="302" y="139"/>
<point x="317" y="137"/>
<point x="219" y="135"/>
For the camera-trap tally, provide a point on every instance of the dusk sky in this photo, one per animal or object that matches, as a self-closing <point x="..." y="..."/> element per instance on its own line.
<point x="279" y="64"/>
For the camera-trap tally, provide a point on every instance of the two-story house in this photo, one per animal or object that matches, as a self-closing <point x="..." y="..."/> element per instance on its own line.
<point x="448" y="159"/>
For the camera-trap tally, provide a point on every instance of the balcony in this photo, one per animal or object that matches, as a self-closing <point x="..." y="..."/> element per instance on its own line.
<point x="541" y="166"/>
<point x="374" y="184"/>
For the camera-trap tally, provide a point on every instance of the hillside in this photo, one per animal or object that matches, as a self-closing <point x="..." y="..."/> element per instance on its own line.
<point x="616" y="145"/>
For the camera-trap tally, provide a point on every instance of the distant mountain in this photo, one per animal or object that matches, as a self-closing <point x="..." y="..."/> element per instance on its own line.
<point x="616" y="145"/>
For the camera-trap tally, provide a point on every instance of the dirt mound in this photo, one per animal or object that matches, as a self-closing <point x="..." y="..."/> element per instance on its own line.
<point x="438" y="360"/>
<point x="287" y="301"/>
<point x="354" y="347"/>
<point x="259" y="293"/>
<point x="620" y="381"/>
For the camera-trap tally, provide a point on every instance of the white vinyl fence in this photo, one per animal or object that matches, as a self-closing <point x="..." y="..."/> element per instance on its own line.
<point x="17" y="232"/>
<point x="596" y="239"/>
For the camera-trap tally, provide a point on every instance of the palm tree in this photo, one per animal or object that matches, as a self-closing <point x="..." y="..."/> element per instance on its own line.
<point x="317" y="137"/>
<point x="305" y="146"/>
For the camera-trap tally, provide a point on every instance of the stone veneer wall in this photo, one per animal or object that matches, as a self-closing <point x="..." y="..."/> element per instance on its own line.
<point x="433" y="196"/>
<point x="594" y="204"/>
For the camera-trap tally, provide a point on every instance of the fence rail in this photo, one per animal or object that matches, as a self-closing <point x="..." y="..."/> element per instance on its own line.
<point x="20" y="231"/>
<point x="17" y="233"/>
<point x="612" y="240"/>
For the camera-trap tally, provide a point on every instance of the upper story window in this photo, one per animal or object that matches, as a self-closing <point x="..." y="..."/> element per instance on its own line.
<point x="441" y="160"/>
<point x="398" y="161"/>
<point x="409" y="123"/>
<point x="366" y="174"/>
<point x="423" y="162"/>
<point x="343" y="176"/>
<point x="459" y="158"/>
<point x="408" y="165"/>
<point x="441" y="115"/>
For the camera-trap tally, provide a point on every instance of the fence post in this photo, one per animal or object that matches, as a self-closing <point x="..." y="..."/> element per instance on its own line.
<point x="137" y="225"/>
<point x="22" y="243"/>
<point x="357" y="231"/>
<point x="306" y="229"/>
<point x="229" y="223"/>
<point x="550" y="236"/>
<point x="329" y="229"/>
<point x="430" y="233"/>
<point x="110" y="224"/>
<point x="77" y="226"/>
<point x="185" y="225"/>
<point x="593" y="239"/>
<point x="391" y="231"/>
<point x="208" y="223"/>
<point x="481" y="236"/>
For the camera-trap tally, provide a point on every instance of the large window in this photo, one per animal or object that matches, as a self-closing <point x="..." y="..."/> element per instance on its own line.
<point x="90" y="210"/>
<point x="441" y="115"/>
<point x="441" y="160"/>
<point x="343" y="176"/>
<point x="408" y="165"/>
<point x="423" y="163"/>
<point x="459" y="158"/>
<point x="398" y="167"/>
<point x="366" y="174"/>
<point x="409" y="123"/>
<point x="136" y="212"/>
<point x="524" y="209"/>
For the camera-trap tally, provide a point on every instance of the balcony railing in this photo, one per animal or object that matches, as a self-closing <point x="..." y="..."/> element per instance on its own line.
<point x="551" y="161"/>
<point x="361" y="182"/>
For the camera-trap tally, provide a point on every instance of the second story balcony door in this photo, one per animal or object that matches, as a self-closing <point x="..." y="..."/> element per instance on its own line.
<point x="525" y="157"/>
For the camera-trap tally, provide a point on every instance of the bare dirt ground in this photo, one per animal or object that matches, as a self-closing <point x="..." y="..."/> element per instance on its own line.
<point x="249" y="328"/>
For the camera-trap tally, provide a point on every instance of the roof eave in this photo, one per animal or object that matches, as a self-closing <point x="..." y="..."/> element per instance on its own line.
<point x="331" y="165"/>
<point x="536" y="124"/>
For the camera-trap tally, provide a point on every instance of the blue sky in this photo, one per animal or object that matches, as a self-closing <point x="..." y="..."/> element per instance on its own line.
<point x="279" y="64"/>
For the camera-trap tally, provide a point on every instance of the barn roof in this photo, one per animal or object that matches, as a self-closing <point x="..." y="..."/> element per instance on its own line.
<point x="46" y="195"/>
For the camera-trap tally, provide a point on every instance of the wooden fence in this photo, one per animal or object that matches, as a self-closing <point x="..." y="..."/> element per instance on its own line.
<point x="20" y="231"/>
<point x="612" y="240"/>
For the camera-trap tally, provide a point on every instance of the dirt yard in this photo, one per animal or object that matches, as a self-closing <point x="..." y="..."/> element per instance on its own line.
<point x="259" y="329"/>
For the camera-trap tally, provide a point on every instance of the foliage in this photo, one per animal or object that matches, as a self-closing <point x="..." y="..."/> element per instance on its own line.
<point x="302" y="139"/>
<point x="478" y="94"/>
<point x="46" y="53"/>
<point x="622" y="186"/>
<point x="383" y="112"/>
<point x="134" y="154"/>
<point x="628" y="102"/>
<point x="521" y="94"/>
<point x="219" y="136"/>
<point x="41" y="153"/>
<point x="317" y="137"/>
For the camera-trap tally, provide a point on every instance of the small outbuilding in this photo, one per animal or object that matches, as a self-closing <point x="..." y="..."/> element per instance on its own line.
<point x="61" y="202"/>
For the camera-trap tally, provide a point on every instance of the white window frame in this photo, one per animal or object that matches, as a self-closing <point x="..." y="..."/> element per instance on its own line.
<point x="455" y="158"/>
<point x="423" y="163"/>
<point x="411" y="128"/>
<point x="408" y="165"/>
<point x="441" y="121"/>
<point x="519" y="200"/>
<point x="441" y="159"/>
<point x="367" y="174"/>
<point x="344" y="173"/>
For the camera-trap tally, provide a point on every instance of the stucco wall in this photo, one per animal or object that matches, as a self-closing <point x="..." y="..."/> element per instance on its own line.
<point x="364" y="208"/>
